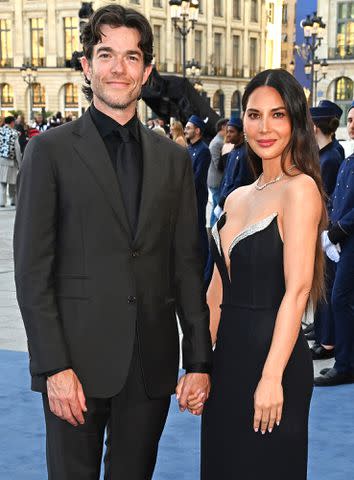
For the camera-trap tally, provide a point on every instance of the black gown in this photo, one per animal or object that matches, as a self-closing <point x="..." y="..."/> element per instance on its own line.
<point x="230" y="449"/>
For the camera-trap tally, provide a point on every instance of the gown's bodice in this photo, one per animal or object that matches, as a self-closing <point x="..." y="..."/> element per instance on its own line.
<point x="256" y="276"/>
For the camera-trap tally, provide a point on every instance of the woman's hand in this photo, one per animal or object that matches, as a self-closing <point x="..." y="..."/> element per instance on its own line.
<point x="268" y="404"/>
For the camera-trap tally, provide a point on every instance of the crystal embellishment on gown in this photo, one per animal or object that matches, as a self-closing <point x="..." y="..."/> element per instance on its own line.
<point x="250" y="230"/>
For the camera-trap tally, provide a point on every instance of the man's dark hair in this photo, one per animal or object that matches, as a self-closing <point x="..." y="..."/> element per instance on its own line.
<point x="115" y="16"/>
<point x="220" y="124"/>
<point x="9" y="119"/>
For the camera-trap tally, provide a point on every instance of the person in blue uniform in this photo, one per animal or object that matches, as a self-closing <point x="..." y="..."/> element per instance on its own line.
<point x="341" y="233"/>
<point x="326" y="123"/>
<point x="338" y="114"/>
<point x="238" y="172"/>
<point x="200" y="155"/>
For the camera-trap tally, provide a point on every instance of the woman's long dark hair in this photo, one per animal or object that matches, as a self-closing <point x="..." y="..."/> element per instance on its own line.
<point x="302" y="148"/>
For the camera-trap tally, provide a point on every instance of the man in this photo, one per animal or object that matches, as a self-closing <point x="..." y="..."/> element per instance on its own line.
<point x="10" y="158"/>
<point x="200" y="155"/>
<point x="237" y="172"/>
<point x="216" y="171"/>
<point x="106" y="248"/>
<point x="341" y="232"/>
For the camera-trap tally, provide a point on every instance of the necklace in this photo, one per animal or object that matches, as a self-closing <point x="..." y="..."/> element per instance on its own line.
<point x="276" y="179"/>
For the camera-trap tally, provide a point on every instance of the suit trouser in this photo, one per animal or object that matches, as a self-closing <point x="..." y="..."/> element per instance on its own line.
<point x="343" y="309"/>
<point x="134" y="425"/>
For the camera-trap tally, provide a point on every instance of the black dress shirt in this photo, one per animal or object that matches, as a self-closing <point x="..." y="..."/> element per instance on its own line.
<point x="124" y="148"/>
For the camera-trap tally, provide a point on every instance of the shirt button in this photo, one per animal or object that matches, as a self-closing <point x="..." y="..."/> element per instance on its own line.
<point x="135" y="253"/>
<point x="131" y="299"/>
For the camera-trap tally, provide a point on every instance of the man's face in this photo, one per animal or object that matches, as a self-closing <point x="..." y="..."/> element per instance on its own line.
<point x="191" y="132"/>
<point x="117" y="70"/>
<point x="232" y="135"/>
<point x="350" y="123"/>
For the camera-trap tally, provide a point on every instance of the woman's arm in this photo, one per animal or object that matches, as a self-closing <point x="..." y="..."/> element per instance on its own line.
<point x="214" y="299"/>
<point x="301" y="217"/>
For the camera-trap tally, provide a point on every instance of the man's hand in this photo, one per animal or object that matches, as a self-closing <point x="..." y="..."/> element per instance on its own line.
<point x="192" y="392"/>
<point x="66" y="397"/>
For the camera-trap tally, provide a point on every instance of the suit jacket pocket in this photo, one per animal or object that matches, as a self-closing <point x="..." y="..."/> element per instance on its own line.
<point x="72" y="286"/>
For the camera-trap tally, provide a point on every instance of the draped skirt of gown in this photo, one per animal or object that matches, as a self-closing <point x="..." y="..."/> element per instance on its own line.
<point x="252" y="293"/>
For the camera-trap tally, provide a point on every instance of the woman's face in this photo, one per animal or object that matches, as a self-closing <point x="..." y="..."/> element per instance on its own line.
<point x="266" y="123"/>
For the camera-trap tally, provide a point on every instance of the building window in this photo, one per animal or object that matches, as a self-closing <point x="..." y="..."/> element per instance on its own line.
<point x="271" y="12"/>
<point x="236" y="104"/>
<point x="157" y="46"/>
<point x="343" y="96"/>
<point x="157" y="3"/>
<point x="200" y="6"/>
<point x="236" y="9"/>
<point x="254" y="10"/>
<point x="253" y="57"/>
<point x="5" y="43"/>
<point x="236" y="55"/>
<point x="136" y="2"/>
<point x="38" y="96"/>
<point x="6" y="97"/>
<point x="71" y="38"/>
<point x="37" y="42"/>
<point x="284" y="14"/>
<point x="198" y="46"/>
<point x="218" y="8"/>
<point x="345" y="29"/>
<point x="217" y="54"/>
<point x="71" y="99"/>
<point x="218" y="102"/>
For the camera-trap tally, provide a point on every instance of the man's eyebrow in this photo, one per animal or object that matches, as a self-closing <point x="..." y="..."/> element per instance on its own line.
<point x="104" y="48"/>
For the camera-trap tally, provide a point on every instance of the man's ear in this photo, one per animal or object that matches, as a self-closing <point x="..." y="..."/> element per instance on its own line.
<point x="147" y="72"/>
<point x="86" y="67"/>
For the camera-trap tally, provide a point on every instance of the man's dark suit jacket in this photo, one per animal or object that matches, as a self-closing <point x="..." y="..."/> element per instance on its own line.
<point x="85" y="286"/>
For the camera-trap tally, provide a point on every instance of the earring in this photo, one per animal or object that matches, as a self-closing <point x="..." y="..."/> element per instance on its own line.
<point x="245" y="136"/>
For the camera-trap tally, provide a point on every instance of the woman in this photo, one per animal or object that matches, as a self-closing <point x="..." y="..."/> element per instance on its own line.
<point x="269" y="263"/>
<point x="177" y="133"/>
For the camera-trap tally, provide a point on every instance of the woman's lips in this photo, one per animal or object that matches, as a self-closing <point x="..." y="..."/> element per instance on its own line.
<point x="266" y="143"/>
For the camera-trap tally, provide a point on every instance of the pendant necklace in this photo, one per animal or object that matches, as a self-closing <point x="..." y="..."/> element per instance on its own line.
<point x="276" y="179"/>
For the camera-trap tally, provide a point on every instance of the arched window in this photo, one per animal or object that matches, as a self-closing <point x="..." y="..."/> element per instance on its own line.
<point x="236" y="104"/>
<point x="71" y="97"/>
<point x="218" y="102"/>
<point x="6" y="96"/>
<point x="343" y="96"/>
<point x="38" y="92"/>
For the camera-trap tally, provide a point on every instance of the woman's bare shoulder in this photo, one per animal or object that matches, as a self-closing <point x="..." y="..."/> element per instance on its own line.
<point x="302" y="190"/>
<point x="237" y="196"/>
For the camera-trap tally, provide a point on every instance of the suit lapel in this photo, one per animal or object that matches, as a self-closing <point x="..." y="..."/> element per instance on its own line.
<point x="152" y="171"/>
<point x="92" y="151"/>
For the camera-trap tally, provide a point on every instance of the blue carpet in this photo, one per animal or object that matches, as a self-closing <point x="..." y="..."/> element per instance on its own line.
<point x="22" y="441"/>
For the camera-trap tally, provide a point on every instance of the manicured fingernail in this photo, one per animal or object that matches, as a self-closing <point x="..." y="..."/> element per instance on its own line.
<point x="278" y="423"/>
<point x="200" y="405"/>
<point x="177" y="396"/>
<point x="263" y="432"/>
<point x="270" y="430"/>
<point x="256" y="430"/>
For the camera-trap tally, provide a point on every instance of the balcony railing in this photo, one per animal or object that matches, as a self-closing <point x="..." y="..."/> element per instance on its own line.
<point x="338" y="53"/>
<point x="237" y="72"/>
<point x="6" y="62"/>
<point x="219" y="71"/>
<point x="36" y="62"/>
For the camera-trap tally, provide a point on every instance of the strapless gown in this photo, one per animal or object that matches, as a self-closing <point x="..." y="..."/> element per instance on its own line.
<point x="252" y="293"/>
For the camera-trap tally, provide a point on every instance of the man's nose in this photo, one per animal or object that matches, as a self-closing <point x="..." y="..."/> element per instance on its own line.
<point x="118" y="65"/>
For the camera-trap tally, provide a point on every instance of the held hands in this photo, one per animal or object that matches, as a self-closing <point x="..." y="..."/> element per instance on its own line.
<point x="332" y="251"/>
<point x="192" y="392"/>
<point x="268" y="404"/>
<point x="66" y="397"/>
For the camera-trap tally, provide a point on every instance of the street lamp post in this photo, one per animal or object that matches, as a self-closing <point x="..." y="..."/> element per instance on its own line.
<point x="314" y="29"/>
<point x="193" y="71"/>
<point x="29" y="76"/>
<point x="187" y="12"/>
